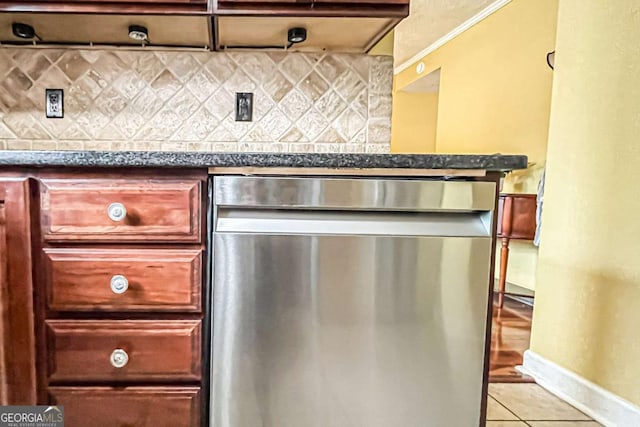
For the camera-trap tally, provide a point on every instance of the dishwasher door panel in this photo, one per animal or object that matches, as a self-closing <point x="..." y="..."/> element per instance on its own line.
<point x="348" y="330"/>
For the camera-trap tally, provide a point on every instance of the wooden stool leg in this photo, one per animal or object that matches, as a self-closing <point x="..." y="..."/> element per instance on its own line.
<point x="502" y="280"/>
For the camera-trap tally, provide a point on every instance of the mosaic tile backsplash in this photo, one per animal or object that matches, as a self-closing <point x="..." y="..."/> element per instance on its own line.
<point x="156" y="100"/>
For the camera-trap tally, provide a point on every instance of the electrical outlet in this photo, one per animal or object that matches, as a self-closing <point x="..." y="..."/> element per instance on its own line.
<point x="244" y="106"/>
<point x="54" y="103"/>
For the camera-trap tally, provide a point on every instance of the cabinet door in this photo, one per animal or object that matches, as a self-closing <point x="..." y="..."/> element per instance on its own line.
<point x="176" y="406"/>
<point x="364" y="2"/>
<point x="17" y="342"/>
<point x="193" y="2"/>
<point x="151" y="7"/>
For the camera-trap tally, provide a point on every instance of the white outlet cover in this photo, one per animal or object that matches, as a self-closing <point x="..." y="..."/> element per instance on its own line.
<point x="54" y="103"/>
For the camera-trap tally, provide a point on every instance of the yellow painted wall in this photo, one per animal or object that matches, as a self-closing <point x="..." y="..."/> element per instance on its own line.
<point x="495" y="96"/>
<point x="587" y="312"/>
<point x="495" y="85"/>
<point x="384" y="46"/>
<point x="414" y="122"/>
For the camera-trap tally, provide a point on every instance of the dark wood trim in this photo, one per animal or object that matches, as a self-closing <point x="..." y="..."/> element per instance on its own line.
<point x="213" y="33"/>
<point x="149" y="406"/>
<point x="42" y="313"/>
<point x="39" y="300"/>
<point x="504" y="261"/>
<point x="382" y="34"/>
<point x="207" y="297"/>
<point x="112" y="8"/>
<point x="18" y="375"/>
<point x="491" y="177"/>
<point x="319" y="10"/>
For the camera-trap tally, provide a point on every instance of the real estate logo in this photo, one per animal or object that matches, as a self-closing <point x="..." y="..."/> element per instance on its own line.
<point x="31" y="416"/>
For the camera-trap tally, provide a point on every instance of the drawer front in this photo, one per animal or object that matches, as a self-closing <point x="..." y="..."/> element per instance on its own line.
<point x="123" y="350"/>
<point x="120" y="210"/>
<point x="82" y="279"/>
<point x="129" y="406"/>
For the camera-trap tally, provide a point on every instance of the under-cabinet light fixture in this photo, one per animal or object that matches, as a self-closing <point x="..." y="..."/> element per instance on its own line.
<point x="138" y="33"/>
<point x="297" y="35"/>
<point x="23" y="31"/>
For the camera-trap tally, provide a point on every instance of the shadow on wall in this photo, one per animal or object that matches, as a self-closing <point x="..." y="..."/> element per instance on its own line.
<point x="524" y="180"/>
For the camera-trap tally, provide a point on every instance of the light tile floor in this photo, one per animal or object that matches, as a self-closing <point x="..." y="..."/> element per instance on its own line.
<point x="522" y="405"/>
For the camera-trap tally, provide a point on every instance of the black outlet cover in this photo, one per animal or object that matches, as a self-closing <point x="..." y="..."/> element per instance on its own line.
<point x="244" y="106"/>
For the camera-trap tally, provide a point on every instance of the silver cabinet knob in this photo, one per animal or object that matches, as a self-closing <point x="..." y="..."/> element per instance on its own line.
<point x="119" y="358"/>
<point x="119" y="284"/>
<point x="117" y="212"/>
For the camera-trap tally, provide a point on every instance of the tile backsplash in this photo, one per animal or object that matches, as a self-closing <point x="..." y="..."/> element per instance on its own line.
<point x="176" y="100"/>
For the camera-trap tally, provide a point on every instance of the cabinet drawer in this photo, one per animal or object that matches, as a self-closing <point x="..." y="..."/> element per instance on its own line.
<point x="120" y="210"/>
<point x="129" y="406"/>
<point x="123" y="350"/>
<point x="129" y="1"/>
<point x="82" y="279"/>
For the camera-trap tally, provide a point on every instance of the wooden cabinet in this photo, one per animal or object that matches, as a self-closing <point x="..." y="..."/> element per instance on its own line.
<point x="109" y="29"/>
<point x="516" y="220"/>
<point x="350" y="26"/>
<point x="102" y="311"/>
<point x="151" y="351"/>
<point x="17" y="349"/>
<point x="313" y="7"/>
<point x="108" y="6"/>
<point x="128" y="406"/>
<point x="140" y="280"/>
<point x="332" y="25"/>
<point x="120" y="210"/>
<point x="120" y="272"/>
<point x="349" y="34"/>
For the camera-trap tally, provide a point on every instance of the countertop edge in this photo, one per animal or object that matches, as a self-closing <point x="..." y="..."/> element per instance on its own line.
<point x="167" y="159"/>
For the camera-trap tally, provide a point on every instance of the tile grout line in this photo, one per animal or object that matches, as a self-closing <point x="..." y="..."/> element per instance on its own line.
<point x="528" y="421"/>
<point x="509" y="410"/>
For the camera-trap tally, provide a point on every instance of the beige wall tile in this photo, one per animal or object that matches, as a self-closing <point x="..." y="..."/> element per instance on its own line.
<point x="17" y="144"/>
<point x="44" y="145"/>
<point x="301" y="148"/>
<point x="352" y="148"/>
<point x="377" y="148"/>
<point x="199" y="146"/>
<point x="122" y="146"/>
<point x="224" y="146"/>
<point x="122" y="100"/>
<point x="70" y="145"/>
<point x="379" y="130"/>
<point x="97" y="145"/>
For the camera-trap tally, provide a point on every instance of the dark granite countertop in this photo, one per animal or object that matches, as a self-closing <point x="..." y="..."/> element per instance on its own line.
<point x="301" y="160"/>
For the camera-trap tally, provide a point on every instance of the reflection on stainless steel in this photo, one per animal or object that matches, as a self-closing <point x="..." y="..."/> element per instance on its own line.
<point x="367" y="194"/>
<point x="470" y="224"/>
<point x="325" y="329"/>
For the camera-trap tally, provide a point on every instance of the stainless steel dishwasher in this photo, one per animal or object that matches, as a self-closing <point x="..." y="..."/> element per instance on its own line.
<point x="349" y="302"/>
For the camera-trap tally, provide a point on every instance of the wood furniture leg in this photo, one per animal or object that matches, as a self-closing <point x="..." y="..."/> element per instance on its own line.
<point x="504" y="261"/>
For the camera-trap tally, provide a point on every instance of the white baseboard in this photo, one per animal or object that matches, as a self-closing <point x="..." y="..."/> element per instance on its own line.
<point x="600" y="404"/>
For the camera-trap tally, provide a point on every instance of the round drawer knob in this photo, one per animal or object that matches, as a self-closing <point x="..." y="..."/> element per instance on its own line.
<point x="117" y="211"/>
<point x="119" y="284"/>
<point x="119" y="358"/>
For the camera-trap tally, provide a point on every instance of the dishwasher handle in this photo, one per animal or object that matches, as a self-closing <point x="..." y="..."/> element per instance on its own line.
<point x="277" y="221"/>
<point x="353" y="194"/>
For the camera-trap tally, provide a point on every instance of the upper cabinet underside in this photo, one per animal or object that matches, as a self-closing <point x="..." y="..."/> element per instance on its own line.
<point x="170" y="7"/>
<point x="331" y="25"/>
